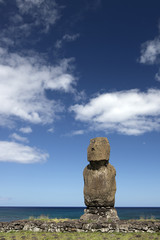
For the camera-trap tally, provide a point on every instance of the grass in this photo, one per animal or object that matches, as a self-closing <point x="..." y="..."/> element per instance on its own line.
<point x="152" y="218"/>
<point x="28" y="235"/>
<point x="47" y="219"/>
<point x="21" y="235"/>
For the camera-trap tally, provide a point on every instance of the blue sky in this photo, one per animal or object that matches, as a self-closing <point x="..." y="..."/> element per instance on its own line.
<point x="71" y="71"/>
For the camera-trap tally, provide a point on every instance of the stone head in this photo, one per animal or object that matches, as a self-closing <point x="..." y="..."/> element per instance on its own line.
<point x="98" y="149"/>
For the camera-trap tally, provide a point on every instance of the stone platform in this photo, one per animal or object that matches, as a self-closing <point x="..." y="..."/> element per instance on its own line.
<point x="81" y="226"/>
<point x="100" y="213"/>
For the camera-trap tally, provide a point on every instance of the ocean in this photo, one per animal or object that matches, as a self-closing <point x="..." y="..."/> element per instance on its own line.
<point x="8" y="214"/>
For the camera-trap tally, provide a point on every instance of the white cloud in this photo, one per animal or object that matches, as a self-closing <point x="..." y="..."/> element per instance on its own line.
<point x="25" y="130"/>
<point x="19" y="153"/>
<point x="129" y="112"/>
<point x="77" y="132"/>
<point x="150" y="53"/>
<point x="23" y="82"/>
<point x="51" y="130"/>
<point x="71" y="38"/>
<point x="17" y="137"/>
<point x="74" y="133"/>
<point x="68" y="38"/>
<point x="157" y="76"/>
<point x="25" y="17"/>
<point x="42" y="12"/>
<point x="58" y="44"/>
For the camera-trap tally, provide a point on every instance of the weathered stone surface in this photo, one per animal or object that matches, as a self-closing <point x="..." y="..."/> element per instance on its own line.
<point x="82" y="226"/>
<point x="99" y="184"/>
<point x="97" y="214"/>
<point x="99" y="149"/>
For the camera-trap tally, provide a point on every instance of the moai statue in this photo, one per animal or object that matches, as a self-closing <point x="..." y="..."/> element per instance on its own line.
<point x="99" y="182"/>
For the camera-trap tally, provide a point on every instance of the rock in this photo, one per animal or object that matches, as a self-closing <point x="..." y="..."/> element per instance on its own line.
<point x="99" y="182"/>
<point x="100" y="185"/>
<point x="94" y="214"/>
<point x="99" y="149"/>
<point x="99" y="223"/>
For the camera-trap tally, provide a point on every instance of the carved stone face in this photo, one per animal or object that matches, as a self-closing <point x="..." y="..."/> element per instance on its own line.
<point x="99" y="149"/>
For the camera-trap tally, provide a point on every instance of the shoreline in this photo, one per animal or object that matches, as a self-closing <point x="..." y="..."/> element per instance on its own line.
<point x="74" y="225"/>
<point x="8" y="214"/>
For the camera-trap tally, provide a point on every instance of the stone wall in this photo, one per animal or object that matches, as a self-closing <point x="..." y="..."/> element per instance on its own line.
<point x="81" y="226"/>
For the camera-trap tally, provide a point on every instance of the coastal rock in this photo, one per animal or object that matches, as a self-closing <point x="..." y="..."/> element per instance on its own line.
<point x="99" y="149"/>
<point x="88" y="225"/>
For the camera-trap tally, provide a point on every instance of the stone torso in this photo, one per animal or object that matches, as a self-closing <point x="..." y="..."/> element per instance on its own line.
<point x="99" y="185"/>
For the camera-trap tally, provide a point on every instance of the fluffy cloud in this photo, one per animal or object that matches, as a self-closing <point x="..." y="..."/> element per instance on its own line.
<point x="25" y="130"/>
<point x="51" y="130"/>
<point x="150" y="54"/>
<point x="19" y="153"/>
<point x="77" y="132"/>
<point x="71" y="38"/>
<point x="23" y="82"/>
<point x="157" y="76"/>
<point x="68" y="38"/>
<point x="74" y="133"/>
<point x="17" y="137"/>
<point x="129" y="112"/>
<point x="42" y="12"/>
<point x="27" y="16"/>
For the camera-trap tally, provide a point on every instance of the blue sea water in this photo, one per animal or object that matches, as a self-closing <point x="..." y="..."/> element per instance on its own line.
<point x="8" y="214"/>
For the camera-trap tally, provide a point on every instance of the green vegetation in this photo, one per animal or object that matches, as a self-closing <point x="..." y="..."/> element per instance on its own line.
<point x="47" y="219"/>
<point x="21" y="235"/>
<point x="152" y="218"/>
